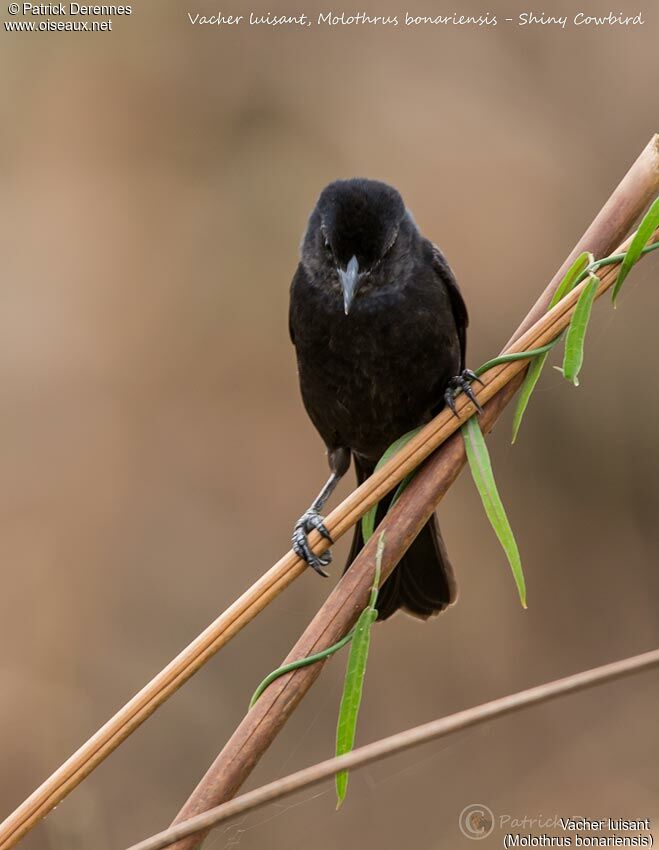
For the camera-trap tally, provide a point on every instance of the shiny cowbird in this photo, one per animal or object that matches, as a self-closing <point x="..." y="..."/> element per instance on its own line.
<point x="379" y="327"/>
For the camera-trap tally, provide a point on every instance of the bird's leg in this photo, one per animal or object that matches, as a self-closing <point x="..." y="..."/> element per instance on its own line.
<point x="309" y="520"/>
<point x="462" y="382"/>
<point x="339" y="461"/>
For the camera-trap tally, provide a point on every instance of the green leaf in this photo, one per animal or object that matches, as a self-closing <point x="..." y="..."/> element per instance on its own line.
<point x="572" y="276"/>
<point x="481" y="470"/>
<point x="530" y="380"/>
<point x="576" y="332"/>
<point x="645" y="230"/>
<point x="368" y="520"/>
<point x="352" y="695"/>
<point x="354" y="679"/>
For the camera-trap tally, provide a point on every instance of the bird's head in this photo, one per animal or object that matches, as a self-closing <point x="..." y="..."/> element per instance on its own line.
<point x="353" y="227"/>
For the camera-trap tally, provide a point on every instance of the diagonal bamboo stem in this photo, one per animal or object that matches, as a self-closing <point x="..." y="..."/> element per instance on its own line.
<point x="398" y="743"/>
<point x="339" y="613"/>
<point x="639" y="185"/>
<point x="625" y="205"/>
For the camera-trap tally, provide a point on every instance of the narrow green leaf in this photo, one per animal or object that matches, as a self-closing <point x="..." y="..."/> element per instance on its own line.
<point x="572" y="276"/>
<point x="534" y="371"/>
<point x="576" y="332"/>
<point x="481" y="470"/>
<point x="354" y="679"/>
<point x="368" y="520"/>
<point x="645" y="230"/>
<point x="352" y="694"/>
<point x="530" y="380"/>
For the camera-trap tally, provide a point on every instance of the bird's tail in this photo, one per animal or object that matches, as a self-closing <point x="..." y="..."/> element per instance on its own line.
<point x="423" y="583"/>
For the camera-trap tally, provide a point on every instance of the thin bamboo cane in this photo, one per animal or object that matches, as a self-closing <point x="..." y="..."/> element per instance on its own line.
<point x="399" y="743"/>
<point x="625" y="205"/>
<point x="608" y="227"/>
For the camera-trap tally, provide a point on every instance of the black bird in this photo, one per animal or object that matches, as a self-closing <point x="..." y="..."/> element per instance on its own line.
<point x="379" y="327"/>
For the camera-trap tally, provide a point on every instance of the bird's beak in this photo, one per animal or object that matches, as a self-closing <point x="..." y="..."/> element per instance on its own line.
<point x="349" y="281"/>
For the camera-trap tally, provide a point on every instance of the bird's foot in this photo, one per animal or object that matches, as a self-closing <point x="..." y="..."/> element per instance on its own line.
<point x="308" y="521"/>
<point x="462" y="383"/>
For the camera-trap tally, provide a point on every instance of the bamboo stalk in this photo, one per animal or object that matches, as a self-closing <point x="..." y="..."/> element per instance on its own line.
<point x="401" y="525"/>
<point x="398" y="743"/>
<point x="611" y="224"/>
<point x="624" y="206"/>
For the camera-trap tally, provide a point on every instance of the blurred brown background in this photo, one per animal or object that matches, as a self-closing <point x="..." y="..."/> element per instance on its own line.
<point x="154" y="452"/>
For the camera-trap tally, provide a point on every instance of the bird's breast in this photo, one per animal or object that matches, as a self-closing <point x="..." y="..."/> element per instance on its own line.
<point x="379" y="371"/>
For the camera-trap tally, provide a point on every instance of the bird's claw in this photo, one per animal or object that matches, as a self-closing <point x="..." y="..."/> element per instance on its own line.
<point x="308" y="521"/>
<point x="462" y="382"/>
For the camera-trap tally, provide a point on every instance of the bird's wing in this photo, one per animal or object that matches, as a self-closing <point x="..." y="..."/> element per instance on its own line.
<point x="458" y="305"/>
<point x="291" y="332"/>
<point x="298" y="280"/>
